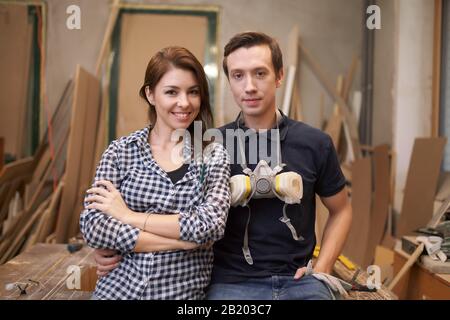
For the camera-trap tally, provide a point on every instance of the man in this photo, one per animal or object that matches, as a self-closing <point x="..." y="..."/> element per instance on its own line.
<point x="260" y="257"/>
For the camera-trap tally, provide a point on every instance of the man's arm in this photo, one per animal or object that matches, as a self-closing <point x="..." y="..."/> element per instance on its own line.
<point x="108" y="259"/>
<point x="336" y="230"/>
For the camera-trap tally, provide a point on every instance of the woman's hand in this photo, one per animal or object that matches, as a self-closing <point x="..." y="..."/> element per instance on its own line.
<point x="108" y="201"/>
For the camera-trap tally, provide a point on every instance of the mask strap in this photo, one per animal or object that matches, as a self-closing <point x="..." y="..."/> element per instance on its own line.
<point x="285" y="219"/>
<point x="278" y="116"/>
<point x="245" y="248"/>
<point x="241" y="147"/>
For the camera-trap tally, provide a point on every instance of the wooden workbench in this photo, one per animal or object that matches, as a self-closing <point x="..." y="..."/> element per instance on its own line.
<point x="419" y="283"/>
<point x="43" y="267"/>
<point x="345" y="274"/>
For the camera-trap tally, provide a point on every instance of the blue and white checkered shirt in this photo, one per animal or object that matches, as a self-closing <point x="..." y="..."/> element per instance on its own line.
<point x="201" y="198"/>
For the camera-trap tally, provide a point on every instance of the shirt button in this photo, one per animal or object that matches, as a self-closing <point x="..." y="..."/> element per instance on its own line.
<point x="172" y="191"/>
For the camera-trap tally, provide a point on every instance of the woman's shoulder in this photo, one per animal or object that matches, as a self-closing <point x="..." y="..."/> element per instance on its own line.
<point x="123" y="143"/>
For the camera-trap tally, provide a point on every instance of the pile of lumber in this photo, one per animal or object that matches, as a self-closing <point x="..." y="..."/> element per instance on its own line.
<point x="41" y="197"/>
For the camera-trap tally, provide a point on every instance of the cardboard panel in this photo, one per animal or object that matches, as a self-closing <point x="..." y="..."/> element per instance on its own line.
<point x="380" y="205"/>
<point x="421" y="184"/>
<point x="140" y="39"/>
<point x="356" y="245"/>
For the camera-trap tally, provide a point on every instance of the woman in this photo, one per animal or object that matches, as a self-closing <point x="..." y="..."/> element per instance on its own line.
<point x="158" y="211"/>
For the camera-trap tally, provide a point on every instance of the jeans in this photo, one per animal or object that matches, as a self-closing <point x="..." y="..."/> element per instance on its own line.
<point x="271" y="288"/>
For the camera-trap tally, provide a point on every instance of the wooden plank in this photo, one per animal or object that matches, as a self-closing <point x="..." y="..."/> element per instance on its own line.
<point x="46" y="221"/>
<point x="361" y="199"/>
<point x="22" y="168"/>
<point x="7" y="195"/>
<point x="2" y="153"/>
<point x="88" y="151"/>
<point x="335" y="122"/>
<point x="20" y="232"/>
<point x="437" y="65"/>
<point x="47" y="265"/>
<point x="296" y="105"/>
<point x="85" y="104"/>
<point x="443" y="190"/>
<point x="60" y="128"/>
<point x="322" y="110"/>
<point x="292" y="70"/>
<point x="40" y="189"/>
<point x="380" y="204"/>
<point x="421" y="184"/>
<point x="334" y="127"/>
<point x="291" y="63"/>
<point x="101" y="143"/>
<point x="291" y="58"/>
<point x="107" y="36"/>
<point x="349" y="78"/>
<point x="49" y="224"/>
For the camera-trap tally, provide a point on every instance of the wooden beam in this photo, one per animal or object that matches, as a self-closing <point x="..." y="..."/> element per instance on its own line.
<point x="22" y="168"/>
<point x="291" y="62"/>
<point x="107" y="36"/>
<point x="2" y="153"/>
<point x="349" y="78"/>
<point x="47" y="220"/>
<point x="20" y="232"/>
<point x="87" y="165"/>
<point x="80" y="149"/>
<point x="437" y="45"/>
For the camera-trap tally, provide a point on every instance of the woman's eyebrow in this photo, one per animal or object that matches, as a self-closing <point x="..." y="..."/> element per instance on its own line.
<point x="195" y="86"/>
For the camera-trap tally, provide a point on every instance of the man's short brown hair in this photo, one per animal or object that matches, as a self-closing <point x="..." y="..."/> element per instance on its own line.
<point x="251" y="39"/>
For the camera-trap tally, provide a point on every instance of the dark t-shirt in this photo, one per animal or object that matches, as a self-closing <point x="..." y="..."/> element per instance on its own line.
<point x="310" y="153"/>
<point x="178" y="174"/>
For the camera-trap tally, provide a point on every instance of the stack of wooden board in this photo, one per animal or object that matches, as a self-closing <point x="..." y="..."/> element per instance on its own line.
<point x="42" y="196"/>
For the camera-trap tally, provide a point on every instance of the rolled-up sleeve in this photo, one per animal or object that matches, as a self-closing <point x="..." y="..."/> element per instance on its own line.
<point x="99" y="229"/>
<point x="206" y="222"/>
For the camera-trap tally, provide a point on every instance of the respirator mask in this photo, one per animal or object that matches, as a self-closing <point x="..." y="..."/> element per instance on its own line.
<point x="265" y="182"/>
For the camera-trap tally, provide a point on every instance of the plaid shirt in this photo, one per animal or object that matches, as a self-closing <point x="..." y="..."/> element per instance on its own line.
<point x="201" y="198"/>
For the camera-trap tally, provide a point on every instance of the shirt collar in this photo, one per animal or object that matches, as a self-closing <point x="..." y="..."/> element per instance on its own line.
<point x="282" y="124"/>
<point x="140" y="137"/>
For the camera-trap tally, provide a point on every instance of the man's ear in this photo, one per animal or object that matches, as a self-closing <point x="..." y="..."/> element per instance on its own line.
<point x="279" y="79"/>
<point x="149" y="95"/>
